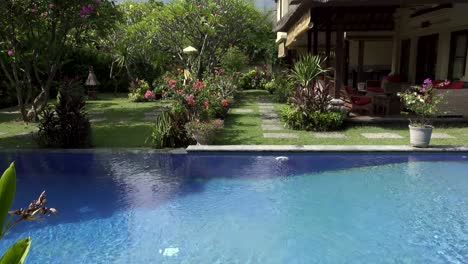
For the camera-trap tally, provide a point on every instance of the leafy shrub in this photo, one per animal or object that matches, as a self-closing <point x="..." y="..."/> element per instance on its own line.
<point x="204" y="132"/>
<point x="137" y="91"/>
<point x="315" y="121"/>
<point x="66" y="125"/>
<point x="253" y="80"/>
<point x="233" y="60"/>
<point x="169" y="131"/>
<point x="280" y="87"/>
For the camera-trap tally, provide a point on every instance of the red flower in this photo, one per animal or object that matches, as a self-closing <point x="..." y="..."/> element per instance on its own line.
<point x="225" y="102"/>
<point x="206" y="104"/>
<point x="180" y="92"/>
<point x="191" y="100"/>
<point x="198" y="85"/>
<point x="172" y="83"/>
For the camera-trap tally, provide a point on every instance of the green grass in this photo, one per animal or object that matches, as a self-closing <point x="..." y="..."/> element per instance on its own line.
<point x="124" y="125"/>
<point x="246" y="129"/>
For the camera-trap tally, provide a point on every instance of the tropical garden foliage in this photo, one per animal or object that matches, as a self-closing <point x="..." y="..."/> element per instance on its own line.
<point x="18" y="252"/>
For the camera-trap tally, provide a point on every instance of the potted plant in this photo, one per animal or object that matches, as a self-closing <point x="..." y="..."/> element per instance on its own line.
<point x="423" y="102"/>
<point x="204" y="132"/>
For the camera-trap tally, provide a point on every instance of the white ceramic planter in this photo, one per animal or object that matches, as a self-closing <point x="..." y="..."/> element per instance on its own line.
<point x="420" y="137"/>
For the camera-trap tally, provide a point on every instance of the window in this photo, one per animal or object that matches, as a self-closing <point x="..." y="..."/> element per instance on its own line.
<point x="458" y="55"/>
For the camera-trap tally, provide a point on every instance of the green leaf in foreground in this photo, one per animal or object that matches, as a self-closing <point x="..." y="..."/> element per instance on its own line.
<point x="17" y="253"/>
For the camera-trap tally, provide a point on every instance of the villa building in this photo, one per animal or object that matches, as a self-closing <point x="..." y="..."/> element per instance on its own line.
<point x="367" y="40"/>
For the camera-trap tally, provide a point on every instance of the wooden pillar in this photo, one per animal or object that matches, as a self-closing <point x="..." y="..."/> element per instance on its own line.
<point x="315" y="30"/>
<point x="339" y="55"/>
<point x="360" y="68"/>
<point x="328" y="43"/>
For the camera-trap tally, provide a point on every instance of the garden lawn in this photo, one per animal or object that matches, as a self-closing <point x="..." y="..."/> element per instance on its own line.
<point x="117" y="122"/>
<point x="245" y="129"/>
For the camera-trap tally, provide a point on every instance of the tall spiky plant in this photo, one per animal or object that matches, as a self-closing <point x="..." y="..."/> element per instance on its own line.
<point x="307" y="69"/>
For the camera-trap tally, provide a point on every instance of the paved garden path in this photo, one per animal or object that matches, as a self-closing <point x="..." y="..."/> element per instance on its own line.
<point x="271" y="121"/>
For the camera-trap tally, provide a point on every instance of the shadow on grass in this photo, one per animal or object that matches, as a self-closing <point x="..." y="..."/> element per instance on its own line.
<point x="129" y="135"/>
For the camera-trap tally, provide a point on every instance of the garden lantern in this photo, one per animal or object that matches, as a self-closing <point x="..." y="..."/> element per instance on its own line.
<point x="191" y="52"/>
<point x="91" y="83"/>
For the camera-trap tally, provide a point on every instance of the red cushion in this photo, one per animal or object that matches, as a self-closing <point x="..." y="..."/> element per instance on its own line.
<point x="360" y="100"/>
<point x="349" y="90"/>
<point x="456" y="85"/>
<point x="375" y="89"/>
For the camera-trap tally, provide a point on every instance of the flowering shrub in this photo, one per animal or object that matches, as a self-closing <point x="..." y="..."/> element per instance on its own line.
<point x="138" y="91"/>
<point x="422" y="101"/>
<point x="201" y="99"/>
<point x="149" y="95"/>
<point x="254" y="80"/>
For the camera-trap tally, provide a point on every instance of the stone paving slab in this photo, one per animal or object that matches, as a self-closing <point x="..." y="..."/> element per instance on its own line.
<point x="329" y="135"/>
<point x="267" y="107"/>
<point x="272" y="121"/>
<point x="442" y="136"/>
<point x="95" y="120"/>
<point x="381" y="135"/>
<point x="242" y="111"/>
<point x="272" y="127"/>
<point x="280" y="135"/>
<point x="270" y="115"/>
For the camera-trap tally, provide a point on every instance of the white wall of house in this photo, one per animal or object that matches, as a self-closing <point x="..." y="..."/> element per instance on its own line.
<point x="442" y="22"/>
<point x="376" y="53"/>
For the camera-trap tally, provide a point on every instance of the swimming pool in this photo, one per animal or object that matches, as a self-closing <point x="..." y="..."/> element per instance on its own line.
<point x="245" y="208"/>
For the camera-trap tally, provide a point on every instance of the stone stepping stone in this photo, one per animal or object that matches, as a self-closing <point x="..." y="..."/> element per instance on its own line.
<point x="442" y="136"/>
<point x="273" y="121"/>
<point x="381" y="135"/>
<point x="329" y="135"/>
<point x="269" y="116"/>
<point x="272" y="127"/>
<point x="266" y="107"/>
<point x="96" y="120"/>
<point x="280" y="135"/>
<point x="242" y="111"/>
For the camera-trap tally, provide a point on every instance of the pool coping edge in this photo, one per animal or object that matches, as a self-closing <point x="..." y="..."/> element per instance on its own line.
<point x="322" y="148"/>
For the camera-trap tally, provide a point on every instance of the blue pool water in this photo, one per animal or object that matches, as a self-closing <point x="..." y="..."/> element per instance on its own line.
<point x="218" y="208"/>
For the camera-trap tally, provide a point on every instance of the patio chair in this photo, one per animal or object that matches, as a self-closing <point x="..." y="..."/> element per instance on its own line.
<point x="374" y="88"/>
<point x="356" y="102"/>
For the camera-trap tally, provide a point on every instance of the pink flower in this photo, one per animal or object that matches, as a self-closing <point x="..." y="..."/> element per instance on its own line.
<point x="428" y="81"/>
<point x="206" y="104"/>
<point x="10" y="53"/>
<point x="180" y="92"/>
<point x="225" y="102"/>
<point x="191" y="100"/>
<point x="172" y="83"/>
<point x="149" y="95"/>
<point x="219" y="71"/>
<point x="51" y="6"/>
<point x="34" y="10"/>
<point x="86" y="10"/>
<point x="199" y="85"/>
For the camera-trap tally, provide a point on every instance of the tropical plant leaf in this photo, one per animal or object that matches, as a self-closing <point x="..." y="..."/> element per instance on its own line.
<point x="17" y="253"/>
<point x="7" y="194"/>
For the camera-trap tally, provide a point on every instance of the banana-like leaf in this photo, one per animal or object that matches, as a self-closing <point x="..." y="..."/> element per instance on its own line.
<point x="17" y="253"/>
<point x="7" y="193"/>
